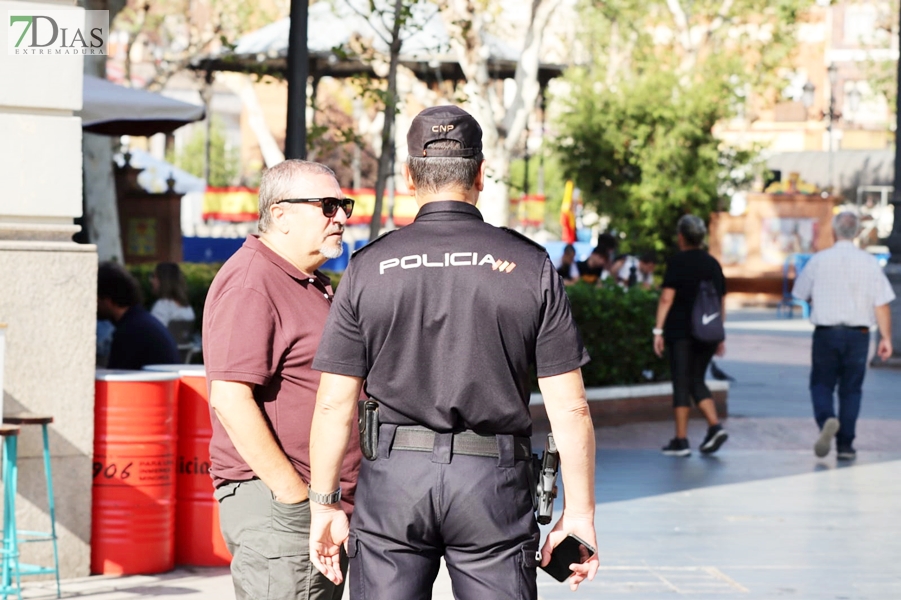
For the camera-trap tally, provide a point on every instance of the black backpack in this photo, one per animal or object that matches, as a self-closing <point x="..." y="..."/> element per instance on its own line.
<point x="706" y="314"/>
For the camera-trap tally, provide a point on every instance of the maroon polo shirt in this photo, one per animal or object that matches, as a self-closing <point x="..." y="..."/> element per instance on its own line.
<point x="262" y="323"/>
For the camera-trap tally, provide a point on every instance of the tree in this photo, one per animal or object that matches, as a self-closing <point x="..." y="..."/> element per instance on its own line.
<point x="469" y="24"/>
<point x="636" y="128"/>
<point x="225" y="162"/>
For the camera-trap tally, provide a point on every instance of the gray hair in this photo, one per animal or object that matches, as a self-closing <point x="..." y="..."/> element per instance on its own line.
<point x="692" y="229"/>
<point x="435" y="174"/>
<point x="278" y="183"/>
<point x="845" y="225"/>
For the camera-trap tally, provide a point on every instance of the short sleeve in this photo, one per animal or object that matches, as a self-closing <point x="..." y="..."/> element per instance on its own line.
<point x="240" y="340"/>
<point x="884" y="291"/>
<point x="342" y="350"/>
<point x="803" y="286"/>
<point x="558" y="348"/>
<point x="671" y="276"/>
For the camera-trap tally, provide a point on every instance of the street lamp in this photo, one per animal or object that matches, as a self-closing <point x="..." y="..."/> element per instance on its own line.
<point x="807" y="96"/>
<point x="833" y="80"/>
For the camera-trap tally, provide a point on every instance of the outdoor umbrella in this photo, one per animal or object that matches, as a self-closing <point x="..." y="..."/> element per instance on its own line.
<point x="111" y="109"/>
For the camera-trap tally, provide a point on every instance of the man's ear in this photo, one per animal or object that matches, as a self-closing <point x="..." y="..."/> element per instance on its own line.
<point x="480" y="177"/>
<point x="279" y="217"/>
<point x="408" y="179"/>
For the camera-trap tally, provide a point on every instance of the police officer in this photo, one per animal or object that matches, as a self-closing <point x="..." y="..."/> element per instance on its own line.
<point x="443" y="320"/>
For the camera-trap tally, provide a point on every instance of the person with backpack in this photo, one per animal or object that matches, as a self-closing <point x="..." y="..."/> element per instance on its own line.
<point x="690" y="316"/>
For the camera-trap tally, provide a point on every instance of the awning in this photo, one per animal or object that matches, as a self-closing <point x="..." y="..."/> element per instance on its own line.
<point x="111" y="109"/>
<point x="850" y="168"/>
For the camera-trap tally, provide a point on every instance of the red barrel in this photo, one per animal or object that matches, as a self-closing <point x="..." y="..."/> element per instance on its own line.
<point x="133" y="493"/>
<point x="198" y="539"/>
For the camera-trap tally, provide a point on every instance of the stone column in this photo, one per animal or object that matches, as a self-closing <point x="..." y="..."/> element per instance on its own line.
<point x="47" y="290"/>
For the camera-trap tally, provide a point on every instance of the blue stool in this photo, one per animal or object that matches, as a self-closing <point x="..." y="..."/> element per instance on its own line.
<point x="40" y="536"/>
<point x="10" y="549"/>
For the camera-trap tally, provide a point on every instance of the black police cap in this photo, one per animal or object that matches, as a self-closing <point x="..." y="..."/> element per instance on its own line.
<point x="444" y="123"/>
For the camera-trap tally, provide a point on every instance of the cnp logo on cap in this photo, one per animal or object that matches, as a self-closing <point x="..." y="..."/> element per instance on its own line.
<point x="444" y="123"/>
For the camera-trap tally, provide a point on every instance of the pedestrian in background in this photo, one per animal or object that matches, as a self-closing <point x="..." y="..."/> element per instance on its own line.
<point x="849" y="293"/>
<point x="138" y="339"/>
<point x="171" y="289"/>
<point x="567" y="269"/>
<point x="262" y="323"/>
<point x="638" y="270"/>
<point x="689" y="357"/>
<point x="443" y="319"/>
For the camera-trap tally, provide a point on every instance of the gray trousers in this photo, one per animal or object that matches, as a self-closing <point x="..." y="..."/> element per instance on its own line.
<point x="412" y="508"/>
<point x="269" y="542"/>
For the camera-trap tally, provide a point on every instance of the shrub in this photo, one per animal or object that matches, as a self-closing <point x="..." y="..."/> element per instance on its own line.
<point x="616" y="329"/>
<point x="199" y="276"/>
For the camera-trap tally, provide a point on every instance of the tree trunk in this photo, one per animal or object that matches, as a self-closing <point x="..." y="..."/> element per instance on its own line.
<point x="101" y="213"/>
<point x="501" y="134"/>
<point x="386" y="158"/>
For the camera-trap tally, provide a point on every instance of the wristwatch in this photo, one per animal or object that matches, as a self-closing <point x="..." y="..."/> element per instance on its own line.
<point x="657" y="331"/>
<point x="318" y="498"/>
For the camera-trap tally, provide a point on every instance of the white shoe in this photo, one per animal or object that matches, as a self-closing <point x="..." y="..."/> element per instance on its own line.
<point x="824" y="442"/>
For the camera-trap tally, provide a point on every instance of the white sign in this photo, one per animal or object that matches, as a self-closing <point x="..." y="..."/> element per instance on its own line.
<point x="73" y="32"/>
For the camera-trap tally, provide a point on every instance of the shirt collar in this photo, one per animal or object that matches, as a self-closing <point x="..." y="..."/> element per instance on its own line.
<point x="448" y="210"/>
<point x="844" y="243"/>
<point x="253" y="243"/>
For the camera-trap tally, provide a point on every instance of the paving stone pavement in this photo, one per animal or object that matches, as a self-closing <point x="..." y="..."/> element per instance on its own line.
<point x="763" y="518"/>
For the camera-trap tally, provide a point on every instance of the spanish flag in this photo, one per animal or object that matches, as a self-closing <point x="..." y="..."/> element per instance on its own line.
<point x="567" y="216"/>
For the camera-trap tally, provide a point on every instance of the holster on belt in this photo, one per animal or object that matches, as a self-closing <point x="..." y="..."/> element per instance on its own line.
<point x="369" y="428"/>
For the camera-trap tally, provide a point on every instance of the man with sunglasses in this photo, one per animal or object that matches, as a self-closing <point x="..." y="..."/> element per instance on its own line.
<point x="443" y="319"/>
<point x="262" y="322"/>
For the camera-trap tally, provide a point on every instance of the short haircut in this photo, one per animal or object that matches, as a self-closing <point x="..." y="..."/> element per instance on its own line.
<point x="845" y="224"/>
<point x="436" y="174"/>
<point x="278" y="182"/>
<point x="173" y="284"/>
<point x="117" y="284"/>
<point x="608" y="242"/>
<point x="569" y="248"/>
<point x="648" y="257"/>
<point x="692" y="229"/>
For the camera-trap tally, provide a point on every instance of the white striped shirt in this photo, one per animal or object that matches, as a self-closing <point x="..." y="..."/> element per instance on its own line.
<point x="845" y="285"/>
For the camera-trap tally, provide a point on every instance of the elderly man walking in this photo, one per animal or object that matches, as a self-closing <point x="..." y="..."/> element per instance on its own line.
<point x="849" y="294"/>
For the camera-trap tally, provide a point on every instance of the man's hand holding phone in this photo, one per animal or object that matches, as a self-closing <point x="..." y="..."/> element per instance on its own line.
<point x="574" y="537"/>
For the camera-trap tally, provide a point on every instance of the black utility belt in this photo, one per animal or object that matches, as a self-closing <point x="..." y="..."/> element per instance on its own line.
<point x="861" y="328"/>
<point x="470" y="443"/>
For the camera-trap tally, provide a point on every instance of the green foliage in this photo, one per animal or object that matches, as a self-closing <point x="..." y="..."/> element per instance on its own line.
<point x="635" y="129"/>
<point x="616" y="329"/>
<point x="198" y="275"/>
<point x="645" y="154"/>
<point x="225" y="160"/>
<point x="553" y="184"/>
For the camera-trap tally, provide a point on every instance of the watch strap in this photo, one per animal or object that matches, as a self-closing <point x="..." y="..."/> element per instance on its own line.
<point x="318" y="498"/>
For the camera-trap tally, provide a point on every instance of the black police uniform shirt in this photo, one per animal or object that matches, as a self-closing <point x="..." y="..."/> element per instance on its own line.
<point x="444" y="318"/>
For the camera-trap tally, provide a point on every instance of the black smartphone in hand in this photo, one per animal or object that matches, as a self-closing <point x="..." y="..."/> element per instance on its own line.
<point x="571" y="550"/>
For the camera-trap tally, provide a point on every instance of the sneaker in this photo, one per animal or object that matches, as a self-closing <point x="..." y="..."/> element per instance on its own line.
<point x="846" y="453"/>
<point x="824" y="442"/>
<point x="677" y="447"/>
<point x="716" y="437"/>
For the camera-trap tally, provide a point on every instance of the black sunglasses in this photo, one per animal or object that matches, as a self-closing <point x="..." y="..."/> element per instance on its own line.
<point x="329" y="205"/>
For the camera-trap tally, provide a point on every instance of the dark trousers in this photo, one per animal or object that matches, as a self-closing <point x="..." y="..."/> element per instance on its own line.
<point x="689" y="359"/>
<point x="412" y="508"/>
<point x="839" y="357"/>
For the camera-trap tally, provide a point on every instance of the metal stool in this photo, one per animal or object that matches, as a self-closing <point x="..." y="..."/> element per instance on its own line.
<point x="40" y="536"/>
<point x="10" y="550"/>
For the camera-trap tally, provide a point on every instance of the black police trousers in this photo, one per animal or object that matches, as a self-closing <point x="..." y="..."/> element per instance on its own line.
<point x="412" y="508"/>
